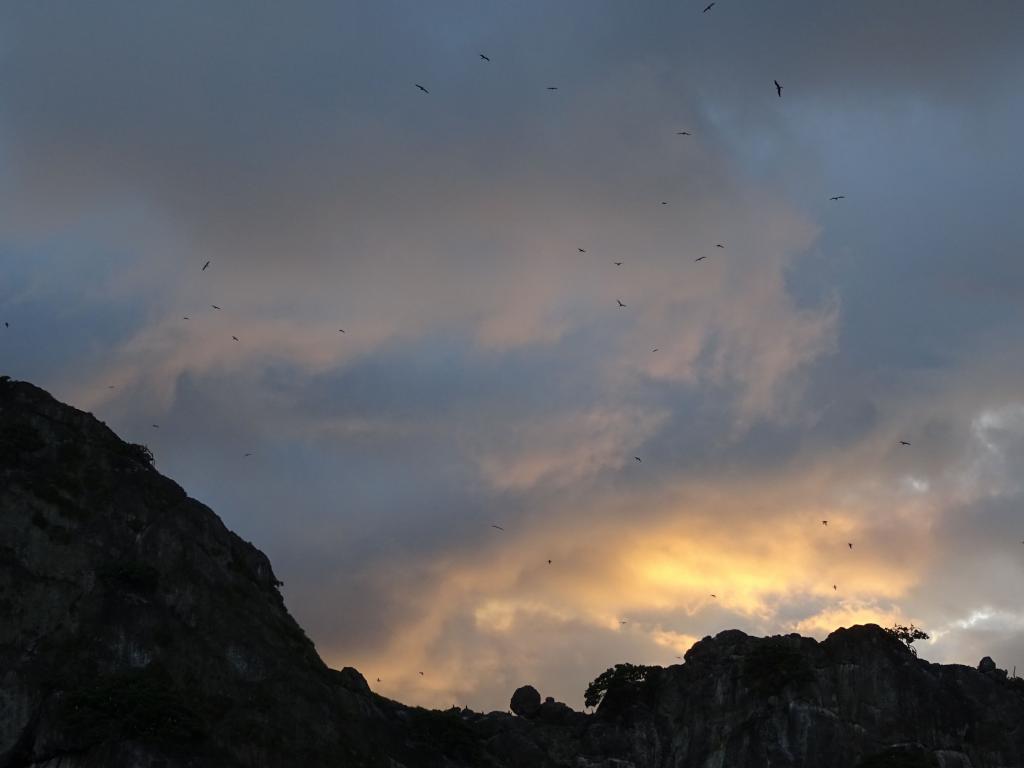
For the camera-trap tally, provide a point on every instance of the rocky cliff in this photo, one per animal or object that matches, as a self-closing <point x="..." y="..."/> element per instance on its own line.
<point x="136" y="630"/>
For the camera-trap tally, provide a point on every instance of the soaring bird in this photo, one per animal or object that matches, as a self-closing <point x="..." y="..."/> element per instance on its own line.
<point x="778" y="88"/>
<point x="498" y="527"/>
<point x="425" y="91"/>
<point x="714" y="595"/>
<point x="824" y="522"/>
<point x="719" y="245"/>
<point x="838" y="197"/>
<point x="620" y="303"/>
<point x="834" y="587"/>
<point x="341" y="330"/>
<point x="549" y="562"/>
<point x="6" y="324"/>
<point x="904" y="442"/>
<point x="617" y="263"/>
<point x="622" y="621"/>
<point x="215" y="306"/>
<point x="637" y="458"/>
<point x="710" y="6"/>
<point x="246" y="454"/>
<point x="685" y="133"/>
<point x="235" y="338"/>
<point x="849" y="544"/>
<point x="185" y="317"/>
<point x="156" y="426"/>
<point x="421" y="673"/>
<point x="663" y="202"/>
<point x="700" y="258"/>
<point x="552" y="87"/>
<point x="654" y="349"/>
<point x="485" y="58"/>
<point x="205" y="266"/>
<point x="582" y="250"/>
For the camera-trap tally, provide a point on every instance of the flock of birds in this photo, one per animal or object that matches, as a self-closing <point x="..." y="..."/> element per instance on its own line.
<point x="620" y="304"/>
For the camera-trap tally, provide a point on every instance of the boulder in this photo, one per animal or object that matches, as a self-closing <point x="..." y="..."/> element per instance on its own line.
<point x="525" y="701"/>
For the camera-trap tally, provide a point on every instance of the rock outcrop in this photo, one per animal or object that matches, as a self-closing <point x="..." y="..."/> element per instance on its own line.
<point x="136" y="630"/>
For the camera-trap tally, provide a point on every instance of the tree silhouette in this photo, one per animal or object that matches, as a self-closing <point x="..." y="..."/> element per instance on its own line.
<point x="907" y="635"/>
<point x="612" y="677"/>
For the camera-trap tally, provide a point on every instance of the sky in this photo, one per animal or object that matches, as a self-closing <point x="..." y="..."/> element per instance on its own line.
<point x="464" y="239"/>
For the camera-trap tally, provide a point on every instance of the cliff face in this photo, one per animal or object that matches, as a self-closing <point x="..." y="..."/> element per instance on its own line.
<point x="136" y="630"/>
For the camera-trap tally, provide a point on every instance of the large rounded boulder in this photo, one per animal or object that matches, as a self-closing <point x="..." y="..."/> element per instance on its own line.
<point x="526" y="701"/>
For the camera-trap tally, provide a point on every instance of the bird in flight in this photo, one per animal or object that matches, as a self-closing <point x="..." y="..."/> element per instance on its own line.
<point x="710" y="6"/>
<point x="215" y="306"/>
<point x="778" y="88"/>
<point x="582" y="250"/>
<point x="637" y="458"/>
<point x="425" y="91"/>
<point x="824" y="522"/>
<point x="617" y="263"/>
<point x="620" y="303"/>
<point x="719" y="245"/>
<point x="838" y="197"/>
<point x="834" y="587"/>
<point x="341" y="330"/>
<point x="246" y="454"/>
<point x="552" y="87"/>
<point x="156" y="426"/>
<point x="235" y="338"/>
<point x="6" y="324"/>
<point x="205" y="266"/>
<point x="700" y="258"/>
<point x="622" y="621"/>
<point x="421" y="673"/>
<point x="663" y="202"/>
<point x="849" y="544"/>
<point x="714" y="595"/>
<point x="654" y="349"/>
<point x="549" y="562"/>
<point x="185" y="317"/>
<point x="498" y="527"/>
<point x="485" y="58"/>
<point x="683" y="133"/>
<point x="904" y="442"/>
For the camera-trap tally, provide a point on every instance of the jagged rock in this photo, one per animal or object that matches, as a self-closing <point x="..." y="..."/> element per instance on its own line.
<point x="525" y="701"/>
<point x="137" y="631"/>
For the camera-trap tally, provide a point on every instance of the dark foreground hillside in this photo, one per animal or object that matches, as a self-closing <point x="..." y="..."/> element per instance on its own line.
<point x="136" y="630"/>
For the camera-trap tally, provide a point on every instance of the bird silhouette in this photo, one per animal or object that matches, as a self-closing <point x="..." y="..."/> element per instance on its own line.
<point x="710" y="6"/>
<point x="778" y="88"/>
<point x="6" y="324"/>
<point x="549" y="562"/>
<point x="637" y="458"/>
<point x="849" y="544"/>
<point x="663" y="202"/>
<point x="246" y="454"/>
<point x="834" y="587"/>
<point x="421" y="673"/>
<point x="620" y="303"/>
<point x="498" y="527"/>
<point x="156" y="426"/>
<point x="683" y="133"/>
<point x="654" y="349"/>
<point x="700" y="258"/>
<point x="838" y="197"/>
<point x="824" y="522"/>
<point x="582" y="250"/>
<point x="421" y="87"/>
<point x="341" y="330"/>
<point x="904" y="442"/>
<point x="622" y="621"/>
<point x="714" y="595"/>
<point x="185" y="317"/>
<point x="617" y="263"/>
<point x="235" y="338"/>
<point x="719" y="245"/>
<point x="215" y="306"/>
<point x="485" y="58"/>
<point x="552" y="88"/>
<point x="205" y="266"/>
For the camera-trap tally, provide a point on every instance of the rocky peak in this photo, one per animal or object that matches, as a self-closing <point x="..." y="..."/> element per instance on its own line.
<point x="136" y="630"/>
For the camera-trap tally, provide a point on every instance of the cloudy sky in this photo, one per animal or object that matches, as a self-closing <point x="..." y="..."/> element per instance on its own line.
<point x="487" y="375"/>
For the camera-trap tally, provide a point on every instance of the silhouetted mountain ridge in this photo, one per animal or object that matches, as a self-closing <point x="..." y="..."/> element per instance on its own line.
<point x="137" y="630"/>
